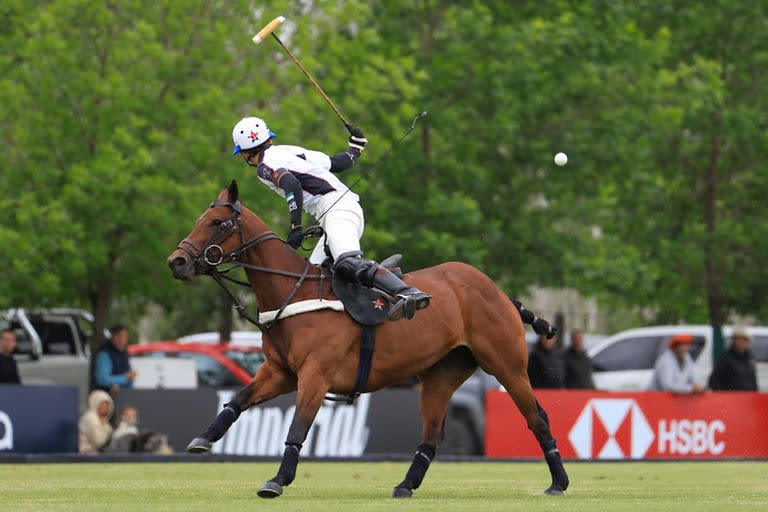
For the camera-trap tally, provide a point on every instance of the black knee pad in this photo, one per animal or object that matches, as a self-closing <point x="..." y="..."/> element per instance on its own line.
<point x="351" y="266"/>
<point x="346" y="264"/>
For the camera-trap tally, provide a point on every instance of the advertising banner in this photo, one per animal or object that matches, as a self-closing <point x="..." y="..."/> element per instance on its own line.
<point x="651" y="425"/>
<point x="38" y="419"/>
<point x="385" y="422"/>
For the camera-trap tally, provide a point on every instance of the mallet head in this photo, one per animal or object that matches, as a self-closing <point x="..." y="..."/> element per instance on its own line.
<point x="268" y="29"/>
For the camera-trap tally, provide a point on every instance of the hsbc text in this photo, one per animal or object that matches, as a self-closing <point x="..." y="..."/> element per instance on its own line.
<point x="690" y="437"/>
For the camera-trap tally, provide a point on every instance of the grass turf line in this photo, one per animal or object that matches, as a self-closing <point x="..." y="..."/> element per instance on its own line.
<point x="362" y="487"/>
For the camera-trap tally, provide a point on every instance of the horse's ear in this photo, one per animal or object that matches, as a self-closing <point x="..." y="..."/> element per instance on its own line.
<point x="233" y="192"/>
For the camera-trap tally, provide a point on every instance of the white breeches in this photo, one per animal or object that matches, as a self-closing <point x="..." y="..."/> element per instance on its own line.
<point x="343" y="225"/>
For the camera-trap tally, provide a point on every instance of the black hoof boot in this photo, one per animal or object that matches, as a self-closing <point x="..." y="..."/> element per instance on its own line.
<point x="199" y="445"/>
<point x="270" y="490"/>
<point x="554" y="490"/>
<point x="402" y="492"/>
<point x="560" y="480"/>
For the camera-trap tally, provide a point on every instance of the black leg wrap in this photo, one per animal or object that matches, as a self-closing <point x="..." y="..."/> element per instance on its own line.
<point x="287" y="471"/>
<point x="425" y="453"/>
<point x="540" y="326"/>
<point x="222" y="422"/>
<point x="526" y="315"/>
<point x="543" y="415"/>
<point x="552" y="456"/>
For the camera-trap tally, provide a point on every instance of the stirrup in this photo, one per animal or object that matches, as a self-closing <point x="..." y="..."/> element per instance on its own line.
<point x="407" y="305"/>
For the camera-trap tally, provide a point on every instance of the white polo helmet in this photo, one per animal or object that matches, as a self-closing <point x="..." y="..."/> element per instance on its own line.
<point x="250" y="132"/>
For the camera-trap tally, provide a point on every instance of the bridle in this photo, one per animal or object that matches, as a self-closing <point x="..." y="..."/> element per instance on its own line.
<point x="204" y="258"/>
<point x="208" y="259"/>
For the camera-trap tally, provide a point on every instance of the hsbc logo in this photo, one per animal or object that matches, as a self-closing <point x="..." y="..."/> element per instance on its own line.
<point x="611" y="428"/>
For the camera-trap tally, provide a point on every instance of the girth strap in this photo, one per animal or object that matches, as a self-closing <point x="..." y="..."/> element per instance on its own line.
<point x="367" y="348"/>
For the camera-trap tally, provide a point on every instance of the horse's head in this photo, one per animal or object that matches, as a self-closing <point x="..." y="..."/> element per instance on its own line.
<point x="211" y="241"/>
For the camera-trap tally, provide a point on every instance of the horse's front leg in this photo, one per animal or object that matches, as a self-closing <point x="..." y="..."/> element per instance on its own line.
<point x="270" y="381"/>
<point x="309" y="398"/>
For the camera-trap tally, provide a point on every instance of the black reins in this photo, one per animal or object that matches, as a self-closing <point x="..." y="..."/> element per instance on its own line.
<point x="211" y="255"/>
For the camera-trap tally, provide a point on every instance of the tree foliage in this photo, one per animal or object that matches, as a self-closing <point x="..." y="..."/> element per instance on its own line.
<point x="116" y="117"/>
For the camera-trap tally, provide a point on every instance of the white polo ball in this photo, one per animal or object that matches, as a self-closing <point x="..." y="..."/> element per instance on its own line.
<point x="561" y="159"/>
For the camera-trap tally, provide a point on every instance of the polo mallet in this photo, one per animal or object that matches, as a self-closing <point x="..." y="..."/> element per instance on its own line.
<point x="377" y="162"/>
<point x="316" y="231"/>
<point x="269" y="30"/>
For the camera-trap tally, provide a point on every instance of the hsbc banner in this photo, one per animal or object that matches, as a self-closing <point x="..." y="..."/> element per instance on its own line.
<point x="652" y="425"/>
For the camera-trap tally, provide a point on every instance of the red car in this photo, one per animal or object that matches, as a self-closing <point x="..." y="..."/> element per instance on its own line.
<point x="218" y="364"/>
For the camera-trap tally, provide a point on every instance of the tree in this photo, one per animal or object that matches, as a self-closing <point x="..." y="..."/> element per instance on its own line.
<point x="116" y="125"/>
<point x="115" y="130"/>
<point x="115" y="120"/>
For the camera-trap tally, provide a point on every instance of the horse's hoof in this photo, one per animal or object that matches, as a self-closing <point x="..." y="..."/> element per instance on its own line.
<point x="270" y="490"/>
<point x="554" y="491"/>
<point x="199" y="445"/>
<point x="402" y="492"/>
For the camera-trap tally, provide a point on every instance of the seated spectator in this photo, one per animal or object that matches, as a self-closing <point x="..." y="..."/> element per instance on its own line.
<point x="127" y="432"/>
<point x="9" y="372"/>
<point x="735" y="369"/>
<point x="153" y="442"/>
<point x="128" y="438"/>
<point x="545" y="368"/>
<point x="94" y="427"/>
<point x="577" y="364"/>
<point x="674" y="367"/>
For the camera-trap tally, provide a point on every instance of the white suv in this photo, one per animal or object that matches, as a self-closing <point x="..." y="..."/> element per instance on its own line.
<point x="625" y="361"/>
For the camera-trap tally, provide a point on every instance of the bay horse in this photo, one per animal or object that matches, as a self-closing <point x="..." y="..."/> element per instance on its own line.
<point x="469" y="323"/>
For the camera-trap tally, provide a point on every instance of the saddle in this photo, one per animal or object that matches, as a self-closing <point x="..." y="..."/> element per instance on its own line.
<point x="367" y="306"/>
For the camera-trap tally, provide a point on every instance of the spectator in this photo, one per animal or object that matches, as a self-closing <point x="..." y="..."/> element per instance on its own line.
<point x="9" y="373"/>
<point x="735" y="370"/>
<point x="128" y="438"/>
<point x="112" y="369"/>
<point x="674" y="367"/>
<point x="127" y="432"/>
<point x="94" y="427"/>
<point x="578" y="365"/>
<point x="545" y="368"/>
<point x="153" y="442"/>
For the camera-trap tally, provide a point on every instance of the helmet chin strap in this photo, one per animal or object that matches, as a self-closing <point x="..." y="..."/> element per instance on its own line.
<point x="256" y="152"/>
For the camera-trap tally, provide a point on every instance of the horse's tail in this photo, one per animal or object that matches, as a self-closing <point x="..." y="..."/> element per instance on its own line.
<point x="540" y="326"/>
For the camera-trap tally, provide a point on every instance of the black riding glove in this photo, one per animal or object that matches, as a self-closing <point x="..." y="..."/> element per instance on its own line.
<point x="357" y="140"/>
<point x="296" y="236"/>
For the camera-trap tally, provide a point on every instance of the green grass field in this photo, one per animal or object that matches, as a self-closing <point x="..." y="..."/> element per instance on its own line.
<point x="486" y="487"/>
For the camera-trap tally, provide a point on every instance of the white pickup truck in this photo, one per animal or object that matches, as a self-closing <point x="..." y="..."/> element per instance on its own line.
<point x="52" y="346"/>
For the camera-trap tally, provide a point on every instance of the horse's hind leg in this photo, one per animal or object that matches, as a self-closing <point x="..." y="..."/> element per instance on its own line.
<point x="519" y="388"/>
<point x="269" y="382"/>
<point x="437" y="385"/>
<point x="499" y="346"/>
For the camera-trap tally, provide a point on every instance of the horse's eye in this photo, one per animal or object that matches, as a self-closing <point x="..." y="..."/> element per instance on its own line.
<point x="216" y="222"/>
